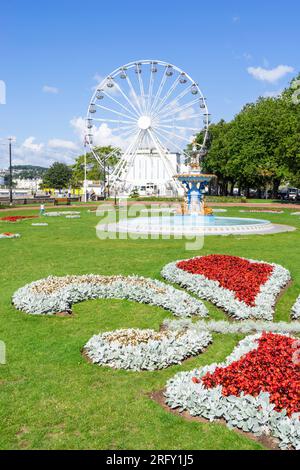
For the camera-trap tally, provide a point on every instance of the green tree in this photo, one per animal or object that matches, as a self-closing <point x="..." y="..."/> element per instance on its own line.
<point x="95" y="170"/>
<point x="58" y="176"/>
<point x="260" y="147"/>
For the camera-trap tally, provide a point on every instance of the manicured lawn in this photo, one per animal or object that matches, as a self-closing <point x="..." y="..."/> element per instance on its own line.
<point x="51" y="398"/>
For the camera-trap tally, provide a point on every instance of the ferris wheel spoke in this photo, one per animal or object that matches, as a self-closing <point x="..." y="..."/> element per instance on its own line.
<point x="132" y="128"/>
<point x="120" y="104"/>
<point x="127" y="134"/>
<point x="177" y="119"/>
<point x="115" y="112"/>
<point x="134" y="94"/>
<point x="160" y="88"/>
<point x="182" y="108"/>
<point x="105" y="157"/>
<point x="167" y="96"/>
<point x="177" y="99"/>
<point x="98" y="160"/>
<point x="142" y="90"/>
<point x="172" y="143"/>
<point x="182" y="128"/>
<point x="122" y="161"/>
<point x="177" y="136"/>
<point x="115" y="121"/>
<point x="127" y="99"/>
<point x="150" y="90"/>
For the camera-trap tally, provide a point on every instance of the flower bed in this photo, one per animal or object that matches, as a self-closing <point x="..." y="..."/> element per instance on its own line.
<point x="255" y="390"/>
<point x="57" y="294"/>
<point x="145" y="349"/>
<point x="17" y="218"/>
<point x="9" y="235"/>
<point x="296" y="310"/>
<point x="243" y="288"/>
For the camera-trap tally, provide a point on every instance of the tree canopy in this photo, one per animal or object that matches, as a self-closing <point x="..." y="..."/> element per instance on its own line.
<point x="58" y="176"/>
<point x="95" y="171"/>
<point x="260" y="147"/>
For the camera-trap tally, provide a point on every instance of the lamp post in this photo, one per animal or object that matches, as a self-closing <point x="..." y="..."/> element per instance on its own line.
<point x="108" y="182"/>
<point x="104" y="170"/>
<point x="10" y="172"/>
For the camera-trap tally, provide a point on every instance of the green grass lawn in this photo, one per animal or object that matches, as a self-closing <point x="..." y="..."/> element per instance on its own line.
<point x="51" y="398"/>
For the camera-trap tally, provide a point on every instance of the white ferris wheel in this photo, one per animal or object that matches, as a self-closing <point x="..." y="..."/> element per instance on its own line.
<point x="142" y="105"/>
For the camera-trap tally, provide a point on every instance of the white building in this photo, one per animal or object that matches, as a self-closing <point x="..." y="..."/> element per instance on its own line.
<point x="150" y="174"/>
<point x="28" y="184"/>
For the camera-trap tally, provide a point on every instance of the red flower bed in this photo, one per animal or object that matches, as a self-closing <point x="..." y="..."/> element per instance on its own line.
<point x="15" y="218"/>
<point x="233" y="273"/>
<point x="270" y="368"/>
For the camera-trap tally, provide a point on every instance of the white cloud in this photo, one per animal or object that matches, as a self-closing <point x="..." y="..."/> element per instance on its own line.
<point x="103" y="135"/>
<point x="32" y="153"/>
<point x="50" y="89"/>
<point x="79" y="126"/>
<point x="30" y="145"/>
<point x="62" y="144"/>
<point x="271" y="75"/>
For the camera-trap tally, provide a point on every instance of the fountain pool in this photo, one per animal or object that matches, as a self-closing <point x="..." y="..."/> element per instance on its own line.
<point x="195" y="225"/>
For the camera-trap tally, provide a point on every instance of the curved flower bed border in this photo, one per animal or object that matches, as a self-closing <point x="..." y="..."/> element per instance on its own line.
<point x="224" y="327"/>
<point x="139" y="350"/>
<point x="9" y="235"/>
<point x="296" y="310"/>
<point x="60" y="214"/>
<point x="57" y="294"/>
<point x="226" y="299"/>
<point x="186" y="391"/>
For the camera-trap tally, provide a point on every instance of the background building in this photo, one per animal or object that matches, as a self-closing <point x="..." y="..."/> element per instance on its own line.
<point x="150" y="175"/>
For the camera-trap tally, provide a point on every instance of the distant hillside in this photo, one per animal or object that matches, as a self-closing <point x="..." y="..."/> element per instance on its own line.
<point x="28" y="171"/>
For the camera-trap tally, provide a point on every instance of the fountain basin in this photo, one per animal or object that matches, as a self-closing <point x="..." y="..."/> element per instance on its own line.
<point x="195" y="225"/>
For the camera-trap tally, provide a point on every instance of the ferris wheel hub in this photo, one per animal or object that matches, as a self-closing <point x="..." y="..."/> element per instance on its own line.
<point x="144" y="122"/>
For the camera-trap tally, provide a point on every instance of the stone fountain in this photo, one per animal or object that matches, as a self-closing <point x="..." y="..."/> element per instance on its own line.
<point x="195" y="183"/>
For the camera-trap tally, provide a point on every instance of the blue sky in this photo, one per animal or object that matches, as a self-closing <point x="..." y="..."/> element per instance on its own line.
<point x="51" y="51"/>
